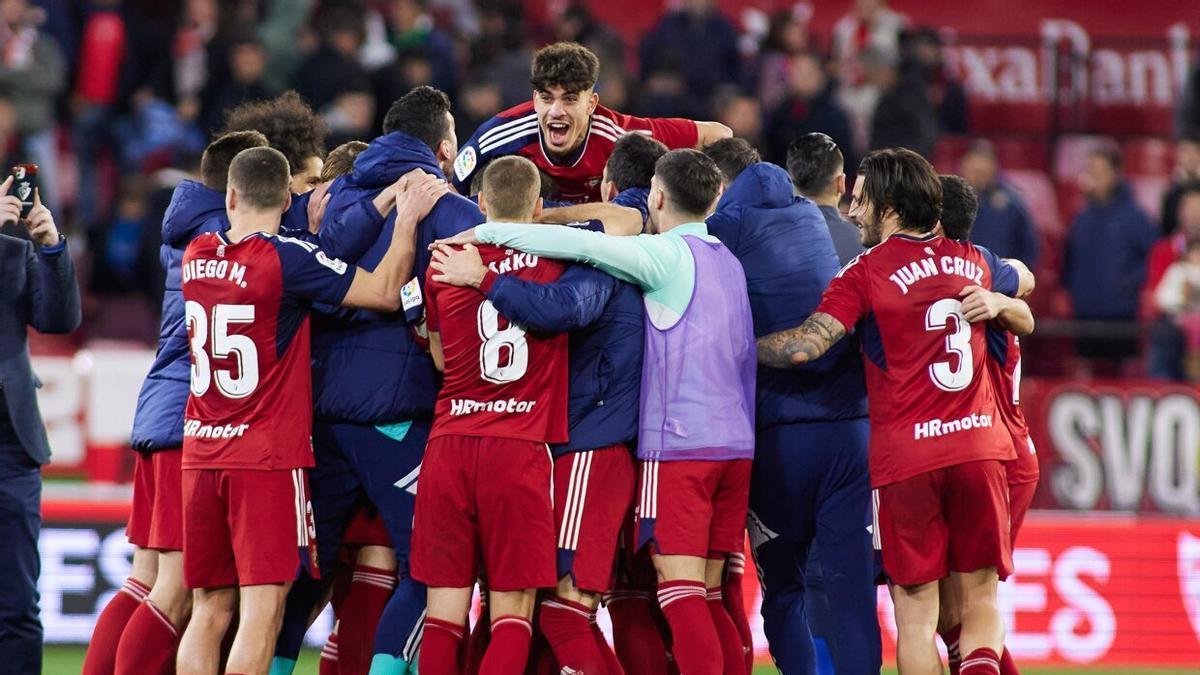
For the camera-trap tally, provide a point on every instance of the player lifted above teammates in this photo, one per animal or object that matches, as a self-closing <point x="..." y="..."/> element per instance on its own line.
<point x="246" y="429"/>
<point x="937" y="448"/>
<point x="565" y="131"/>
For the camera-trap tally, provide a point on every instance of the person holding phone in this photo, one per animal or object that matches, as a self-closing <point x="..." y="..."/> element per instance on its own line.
<point x="37" y="288"/>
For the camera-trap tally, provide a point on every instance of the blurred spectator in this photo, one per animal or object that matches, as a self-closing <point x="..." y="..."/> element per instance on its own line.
<point x="742" y="114"/>
<point x="923" y="52"/>
<point x="351" y="117"/>
<point x="247" y="65"/>
<point x="97" y="86"/>
<point x="1178" y="296"/>
<point x="1105" y="258"/>
<point x="1166" y="344"/>
<point x="199" y="57"/>
<point x="816" y="166"/>
<point x="501" y="54"/>
<point x="286" y="38"/>
<point x="786" y="39"/>
<point x="1187" y="170"/>
<point x="809" y="106"/>
<point x="479" y="102"/>
<point x="154" y="135"/>
<point x="1002" y="224"/>
<point x="576" y="24"/>
<point x="334" y="67"/>
<point x="698" y="41"/>
<point x="664" y="93"/>
<point x="32" y="74"/>
<point x="118" y="266"/>
<point x="903" y="116"/>
<point x="870" y="26"/>
<point x="411" y="30"/>
<point x="410" y="69"/>
<point x="1187" y="111"/>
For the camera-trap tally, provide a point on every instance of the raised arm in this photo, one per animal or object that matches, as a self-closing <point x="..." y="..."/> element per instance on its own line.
<point x="380" y="290"/>
<point x="618" y="220"/>
<point x="52" y="292"/>
<point x="349" y="226"/>
<point x="711" y="132"/>
<point x="1027" y="281"/>
<point x="804" y="343"/>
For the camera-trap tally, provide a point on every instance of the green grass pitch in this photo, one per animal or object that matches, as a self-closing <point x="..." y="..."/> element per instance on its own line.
<point x="68" y="660"/>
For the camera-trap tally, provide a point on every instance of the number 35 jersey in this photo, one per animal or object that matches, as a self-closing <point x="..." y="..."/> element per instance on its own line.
<point x="500" y="381"/>
<point x="931" y="402"/>
<point x="247" y="307"/>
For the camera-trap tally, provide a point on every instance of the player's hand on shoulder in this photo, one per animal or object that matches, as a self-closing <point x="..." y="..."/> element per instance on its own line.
<point x="980" y="304"/>
<point x="461" y="239"/>
<point x="10" y="205"/>
<point x="317" y="202"/>
<point x="458" y="267"/>
<point x="417" y="196"/>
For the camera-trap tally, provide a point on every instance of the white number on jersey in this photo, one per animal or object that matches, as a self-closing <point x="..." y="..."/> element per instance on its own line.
<point x="499" y="343"/>
<point x="224" y="345"/>
<point x="937" y="318"/>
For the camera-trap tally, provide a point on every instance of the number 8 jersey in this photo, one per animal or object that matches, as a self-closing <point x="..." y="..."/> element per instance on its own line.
<point x="931" y="402"/>
<point x="247" y="307"/>
<point x="500" y="381"/>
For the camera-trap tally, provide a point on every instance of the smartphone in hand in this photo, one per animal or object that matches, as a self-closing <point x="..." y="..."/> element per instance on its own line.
<point x="24" y="184"/>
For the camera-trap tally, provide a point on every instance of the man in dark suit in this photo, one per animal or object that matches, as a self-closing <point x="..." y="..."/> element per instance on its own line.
<point x="815" y="164"/>
<point x="37" y="288"/>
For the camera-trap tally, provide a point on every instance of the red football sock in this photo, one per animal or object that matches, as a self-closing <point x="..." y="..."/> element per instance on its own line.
<point x="695" y="642"/>
<point x="541" y="657"/>
<point x="982" y="661"/>
<point x="637" y="641"/>
<point x="567" y="628"/>
<point x="370" y="590"/>
<point x="1007" y="665"/>
<point x="328" y="665"/>
<point x="950" y="638"/>
<point x="731" y="641"/>
<point x="509" y="649"/>
<point x="439" y="647"/>
<point x="148" y="644"/>
<point x="735" y="604"/>
<point x="476" y="645"/>
<point x="612" y="665"/>
<point x="101" y="655"/>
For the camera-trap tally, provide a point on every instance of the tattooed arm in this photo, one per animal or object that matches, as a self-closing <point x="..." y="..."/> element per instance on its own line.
<point x="804" y="343"/>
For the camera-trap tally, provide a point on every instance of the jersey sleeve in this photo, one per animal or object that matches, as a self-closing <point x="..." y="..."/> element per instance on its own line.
<point x="432" y="319"/>
<point x="311" y="274"/>
<point x="502" y="135"/>
<point x="1005" y="279"/>
<point x="673" y="132"/>
<point x="846" y="297"/>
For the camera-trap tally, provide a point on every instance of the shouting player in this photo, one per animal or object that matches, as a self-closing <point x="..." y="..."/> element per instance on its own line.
<point x="810" y="495"/>
<point x="1010" y="318"/>
<point x="565" y="131"/>
<point x="246" y="429"/>
<point x="146" y="634"/>
<point x="487" y="477"/>
<point x="937" y="449"/>
<point x="696" y="426"/>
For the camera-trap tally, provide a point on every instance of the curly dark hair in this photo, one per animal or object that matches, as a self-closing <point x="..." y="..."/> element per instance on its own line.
<point x="904" y="182"/>
<point x="289" y="124"/>
<point x="569" y="65"/>
<point x="959" y="206"/>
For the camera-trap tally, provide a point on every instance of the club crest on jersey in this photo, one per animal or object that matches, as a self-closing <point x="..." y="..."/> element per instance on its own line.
<point x="410" y="294"/>
<point x="465" y="163"/>
<point x="221" y="251"/>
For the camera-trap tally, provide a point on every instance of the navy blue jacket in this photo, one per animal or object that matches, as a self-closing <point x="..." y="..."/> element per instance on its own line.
<point x="604" y="318"/>
<point x="1004" y="227"/>
<point x="1105" y="263"/>
<point x="785" y="249"/>
<point x="369" y="368"/>
<point x="158" y="420"/>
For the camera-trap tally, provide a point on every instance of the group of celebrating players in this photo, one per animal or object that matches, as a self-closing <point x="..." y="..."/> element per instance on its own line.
<point x="571" y="362"/>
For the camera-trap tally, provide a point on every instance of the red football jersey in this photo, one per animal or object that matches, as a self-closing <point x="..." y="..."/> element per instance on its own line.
<point x="247" y="306"/>
<point x="930" y="400"/>
<point x="516" y="132"/>
<point x="500" y="381"/>
<point x="1004" y="369"/>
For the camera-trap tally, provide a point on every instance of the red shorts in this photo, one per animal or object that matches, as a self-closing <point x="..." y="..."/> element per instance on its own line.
<point x="366" y="528"/>
<point x="141" y="513"/>
<point x="694" y="507"/>
<point x="593" y="492"/>
<point x="484" y="500"/>
<point x="244" y="527"/>
<point x="156" y="520"/>
<point x="953" y="519"/>
<point x="1020" y="496"/>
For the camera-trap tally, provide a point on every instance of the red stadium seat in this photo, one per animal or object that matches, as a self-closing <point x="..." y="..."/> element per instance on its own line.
<point x="948" y="152"/>
<point x="1026" y="153"/>
<point x="1038" y="192"/>
<point x="1147" y="157"/>
<point x="1071" y="152"/>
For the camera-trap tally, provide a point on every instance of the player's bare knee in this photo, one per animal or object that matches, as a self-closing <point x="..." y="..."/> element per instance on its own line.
<point x="379" y="557"/>
<point x="512" y="603"/>
<point x="679" y="567"/>
<point x="566" y="590"/>
<point x="714" y="571"/>
<point x="145" y="566"/>
<point x="449" y="604"/>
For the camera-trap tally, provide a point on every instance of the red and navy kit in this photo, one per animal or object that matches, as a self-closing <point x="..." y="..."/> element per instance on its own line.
<point x="247" y="306"/>
<point x="931" y="402"/>
<point x="1004" y="368"/>
<point x="516" y="131"/>
<point x="500" y="381"/>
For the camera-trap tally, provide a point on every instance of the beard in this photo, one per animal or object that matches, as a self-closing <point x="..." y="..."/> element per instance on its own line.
<point x="871" y="234"/>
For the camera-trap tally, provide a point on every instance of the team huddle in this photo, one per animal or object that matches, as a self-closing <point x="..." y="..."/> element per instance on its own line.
<point x="571" y="363"/>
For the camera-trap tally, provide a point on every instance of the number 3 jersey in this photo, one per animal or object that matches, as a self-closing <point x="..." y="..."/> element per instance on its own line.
<point x="931" y="401"/>
<point x="247" y="307"/>
<point x="500" y="381"/>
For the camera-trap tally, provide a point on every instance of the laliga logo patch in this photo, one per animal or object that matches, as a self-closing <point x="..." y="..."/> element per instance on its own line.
<point x="1189" y="577"/>
<point x="332" y="263"/>
<point x="464" y="164"/>
<point x="410" y="294"/>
